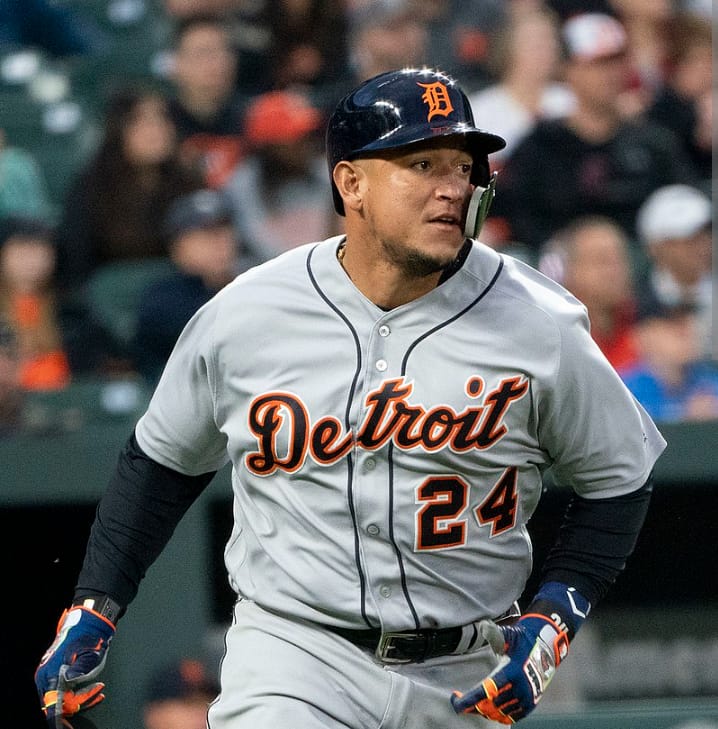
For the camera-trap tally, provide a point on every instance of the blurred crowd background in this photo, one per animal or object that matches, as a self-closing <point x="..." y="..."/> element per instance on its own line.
<point x="150" y="150"/>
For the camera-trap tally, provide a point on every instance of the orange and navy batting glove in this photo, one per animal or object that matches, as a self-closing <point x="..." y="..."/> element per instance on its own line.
<point x="530" y="651"/>
<point x="65" y="678"/>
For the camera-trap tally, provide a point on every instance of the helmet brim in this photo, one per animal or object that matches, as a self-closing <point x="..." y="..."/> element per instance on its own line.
<point x="479" y="141"/>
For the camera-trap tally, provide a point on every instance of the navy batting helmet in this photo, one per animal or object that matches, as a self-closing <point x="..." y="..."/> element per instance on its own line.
<point x="399" y="108"/>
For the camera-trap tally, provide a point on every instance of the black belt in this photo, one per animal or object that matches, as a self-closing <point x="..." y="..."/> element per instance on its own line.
<point x="415" y="646"/>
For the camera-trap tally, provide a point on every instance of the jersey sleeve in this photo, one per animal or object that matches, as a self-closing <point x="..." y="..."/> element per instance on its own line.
<point x="600" y="439"/>
<point x="179" y="428"/>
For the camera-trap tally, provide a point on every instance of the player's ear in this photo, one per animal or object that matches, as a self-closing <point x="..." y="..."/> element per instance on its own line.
<point x="348" y="180"/>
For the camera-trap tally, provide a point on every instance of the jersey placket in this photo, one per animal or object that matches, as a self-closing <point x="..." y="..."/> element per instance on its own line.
<point x="374" y="482"/>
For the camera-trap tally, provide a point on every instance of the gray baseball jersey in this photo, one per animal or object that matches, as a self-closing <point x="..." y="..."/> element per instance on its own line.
<point x="385" y="463"/>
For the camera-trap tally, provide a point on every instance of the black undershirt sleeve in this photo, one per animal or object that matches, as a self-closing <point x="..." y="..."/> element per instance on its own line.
<point x="135" y="519"/>
<point x="595" y="539"/>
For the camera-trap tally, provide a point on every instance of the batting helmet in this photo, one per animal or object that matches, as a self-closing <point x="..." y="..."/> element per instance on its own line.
<point x="399" y="108"/>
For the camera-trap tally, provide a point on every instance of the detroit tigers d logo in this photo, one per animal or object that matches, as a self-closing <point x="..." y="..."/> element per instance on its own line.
<point x="436" y="97"/>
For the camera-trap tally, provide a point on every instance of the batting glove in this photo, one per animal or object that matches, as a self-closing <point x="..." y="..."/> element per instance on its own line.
<point x="530" y="652"/>
<point x="65" y="678"/>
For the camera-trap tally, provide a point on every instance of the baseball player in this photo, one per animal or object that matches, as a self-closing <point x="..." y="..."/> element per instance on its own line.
<point x="389" y="400"/>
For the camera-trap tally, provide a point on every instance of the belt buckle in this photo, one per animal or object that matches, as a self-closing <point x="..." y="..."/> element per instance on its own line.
<point x="386" y="644"/>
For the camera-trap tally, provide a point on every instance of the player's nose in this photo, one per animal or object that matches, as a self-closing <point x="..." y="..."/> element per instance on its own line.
<point x="452" y="186"/>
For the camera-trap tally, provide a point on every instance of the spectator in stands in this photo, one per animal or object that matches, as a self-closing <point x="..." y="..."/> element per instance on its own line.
<point x="386" y="36"/>
<point x="308" y="45"/>
<point x="592" y="161"/>
<point x="287" y="43"/>
<point x="205" y="106"/>
<point x="28" y="303"/>
<point x="590" y="257"/>
<point x="23" y="190"/>
<point x="648" y="25"/>
<point x="278" y="193"/>
<point x="670" y="379"/>
<point x="684" y="104"/>
<point x="178" y="695"/>
<point x="460" y="35"/>
<point x="115" y="203"/>
<point x="453" y="35"/>
<point x="206" y="256"/>
<point x="674" y="225"/>
<point x="251" y="39"/>
<point x="11" y="394"/>
<point x="382" y="35"/>
<point x="525" y="56"/>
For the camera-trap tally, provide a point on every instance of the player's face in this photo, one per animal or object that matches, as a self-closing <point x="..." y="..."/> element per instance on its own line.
<point x="414" y="204"/>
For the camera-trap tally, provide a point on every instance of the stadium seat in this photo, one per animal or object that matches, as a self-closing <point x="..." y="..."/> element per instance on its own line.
<point x="113" y="293"/>
<point x="85" y="401"/>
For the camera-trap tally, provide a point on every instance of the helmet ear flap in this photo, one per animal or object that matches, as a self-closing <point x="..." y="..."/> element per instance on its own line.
<point x="479" y="206"/>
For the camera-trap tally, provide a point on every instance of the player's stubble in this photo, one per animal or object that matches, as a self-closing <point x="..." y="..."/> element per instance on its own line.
<point x="413" y="262"/>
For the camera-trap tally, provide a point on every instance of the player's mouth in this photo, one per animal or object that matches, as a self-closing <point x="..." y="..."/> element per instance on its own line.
<point x="446" y="221"/>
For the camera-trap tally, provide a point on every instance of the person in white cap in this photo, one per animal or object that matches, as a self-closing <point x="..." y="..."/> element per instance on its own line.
<point x="674" y="224"/>
<point x="594" y="161"/>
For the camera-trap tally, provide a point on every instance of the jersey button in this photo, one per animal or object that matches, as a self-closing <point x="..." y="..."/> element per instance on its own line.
<point x="381" y="365"/>
<point x="373" y="529"/>
<point x="369" y="464"/>
<point x="384" y="331"/>
<point x="385" y="591"/>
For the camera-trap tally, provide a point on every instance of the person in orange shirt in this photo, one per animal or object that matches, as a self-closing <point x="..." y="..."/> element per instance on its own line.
<point x="27" y="302"/>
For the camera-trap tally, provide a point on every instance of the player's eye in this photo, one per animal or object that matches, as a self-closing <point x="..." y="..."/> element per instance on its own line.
<point x="465" y="168"/>
<point x="422" y="164"/>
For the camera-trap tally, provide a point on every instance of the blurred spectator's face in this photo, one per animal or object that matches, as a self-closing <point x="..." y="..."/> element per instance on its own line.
<point x="599" y="272"/>
<point x="670" y="342"/>
<point x="653" y="10"/>
<point x="205" y="65"/>
<point x="687" y="259"/>
<point x="534" y="46"/>
<point x="384" y="48"/>
<point x="210" y="253"/>
<point x="150" y="136"/>
<point x="598" y="84"/>
<point x="27" y="264"/>
<point x="694" y="73"/>
<point x="176" y="714"/>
